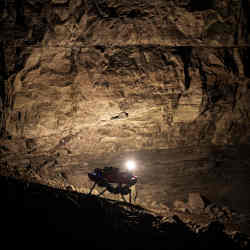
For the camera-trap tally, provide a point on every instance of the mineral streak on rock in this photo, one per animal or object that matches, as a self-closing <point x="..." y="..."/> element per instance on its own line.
<point x="178" y="68"/>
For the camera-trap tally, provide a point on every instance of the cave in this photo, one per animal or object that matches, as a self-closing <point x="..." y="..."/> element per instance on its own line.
<point x="196" y="5"/>
<point x="165" y="84"/>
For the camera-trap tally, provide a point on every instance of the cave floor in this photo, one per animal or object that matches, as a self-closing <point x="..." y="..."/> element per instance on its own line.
<point x="221" y="174"/>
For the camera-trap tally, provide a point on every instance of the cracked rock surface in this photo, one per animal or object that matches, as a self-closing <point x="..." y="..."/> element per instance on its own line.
<point x="84" y="83"/>
<point x="177" y="68"/>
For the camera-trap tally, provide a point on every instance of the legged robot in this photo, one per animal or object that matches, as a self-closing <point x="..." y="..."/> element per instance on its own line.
<point x="113" y="181"/>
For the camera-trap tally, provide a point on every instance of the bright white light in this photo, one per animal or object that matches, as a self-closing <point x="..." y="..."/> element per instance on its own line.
<point x="130" y="165"/>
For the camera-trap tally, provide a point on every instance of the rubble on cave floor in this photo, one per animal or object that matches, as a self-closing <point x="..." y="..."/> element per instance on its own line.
<point x="174" y="167"/>
<point x="33" y="210"/>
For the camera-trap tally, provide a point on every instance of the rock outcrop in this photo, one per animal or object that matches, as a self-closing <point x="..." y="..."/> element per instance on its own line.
<point x="197" y="204"/>
<point x="177" y="69"/>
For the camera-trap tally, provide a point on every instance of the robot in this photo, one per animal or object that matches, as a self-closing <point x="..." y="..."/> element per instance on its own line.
<point x="113" y="180"/>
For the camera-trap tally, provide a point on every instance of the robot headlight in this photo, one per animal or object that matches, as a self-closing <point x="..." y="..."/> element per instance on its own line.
<point x="130" y="165"/>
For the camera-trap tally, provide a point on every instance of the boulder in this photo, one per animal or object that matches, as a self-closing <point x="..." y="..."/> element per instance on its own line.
<point x="214" y="211"/>
<point x="210" y="209"/>
<point x="196" y="202"/>
<point x="181" y="206"/>
<point x="227" y="212"/>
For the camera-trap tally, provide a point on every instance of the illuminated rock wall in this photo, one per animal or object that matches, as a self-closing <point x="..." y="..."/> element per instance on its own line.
<point x="105" y="76"/>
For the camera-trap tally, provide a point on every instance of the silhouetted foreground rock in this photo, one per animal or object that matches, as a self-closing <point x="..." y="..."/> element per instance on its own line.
<point x="38" y="213"/>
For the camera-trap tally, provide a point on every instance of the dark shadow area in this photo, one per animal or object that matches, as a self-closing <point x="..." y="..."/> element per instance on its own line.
<point x="196" y="5"/>
<point x="245" y="55"/>
<point x="34" y="212"/>
<point x="186" y="54"/>
<point x="246" y="13"/>
<point x="20" y="17"/>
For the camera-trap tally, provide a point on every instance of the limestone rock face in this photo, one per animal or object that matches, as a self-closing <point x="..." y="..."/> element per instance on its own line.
<point x="177" y="69"/>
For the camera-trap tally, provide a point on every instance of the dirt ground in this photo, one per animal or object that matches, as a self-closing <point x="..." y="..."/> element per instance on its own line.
<point x="221" y="174"/>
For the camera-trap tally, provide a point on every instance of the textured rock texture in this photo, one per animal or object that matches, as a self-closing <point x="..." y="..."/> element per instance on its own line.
<point x="105" y="76"/>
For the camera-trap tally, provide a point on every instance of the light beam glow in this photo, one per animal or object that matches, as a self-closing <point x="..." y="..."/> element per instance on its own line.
<point x="130" y="165"/>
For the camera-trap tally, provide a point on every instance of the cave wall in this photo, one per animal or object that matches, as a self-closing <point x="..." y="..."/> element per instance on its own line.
<point x="104" y="76"/>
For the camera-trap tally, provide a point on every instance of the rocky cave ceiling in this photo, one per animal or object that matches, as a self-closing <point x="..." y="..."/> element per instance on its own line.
<point x="116" y="75"/>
